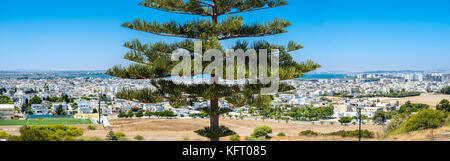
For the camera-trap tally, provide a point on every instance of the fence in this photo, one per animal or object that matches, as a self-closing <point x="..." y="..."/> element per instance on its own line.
<point x="48" y="116"/>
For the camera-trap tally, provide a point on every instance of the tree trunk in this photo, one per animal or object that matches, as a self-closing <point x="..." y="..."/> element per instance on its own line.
<point x="214" y="118"/>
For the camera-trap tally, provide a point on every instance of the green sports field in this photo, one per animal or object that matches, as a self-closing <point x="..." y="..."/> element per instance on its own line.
<point x="45" y="121"/>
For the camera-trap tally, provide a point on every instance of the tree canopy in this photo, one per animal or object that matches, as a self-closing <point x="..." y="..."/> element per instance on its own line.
<point x="443" y="106"/>
<point x="218" y="22"/>
<point x="35" y="100"/>
<point x="5" y="100"/>
<point x="445" y="90"/>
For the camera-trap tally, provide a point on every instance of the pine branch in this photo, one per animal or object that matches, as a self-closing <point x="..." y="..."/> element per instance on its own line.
<point x="273" y="27"/>
<point x="192" y="7"/>
<point x="192" y="29"/>
<point x="242" y="6"/>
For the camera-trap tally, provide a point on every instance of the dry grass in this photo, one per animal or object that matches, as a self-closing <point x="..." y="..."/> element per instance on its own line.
<point x="439" y="134"/>
<point x="425" y="98"/>
<point x="175" y="129"/>
<point x="178" y="129"/>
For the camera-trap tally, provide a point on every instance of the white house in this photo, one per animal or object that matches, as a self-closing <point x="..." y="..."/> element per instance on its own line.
<point x="6" y="111"/>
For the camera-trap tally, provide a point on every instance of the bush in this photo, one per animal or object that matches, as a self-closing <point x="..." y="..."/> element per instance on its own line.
<point x="281" y="134"/>
<point x="425" y="119"/>
<point x="4" y="135"/>
<point x="91" y="139"/>
<point x="251" y="138"/>
<point x="118" y="136"/>
<point x="47" y="133"/>
<point x="121" y="115"/>
<point x="95" y="139"/>
<point x="444" y="106"/>
<point x="92" y="127"/>
<point x="140" y="113"/>
<point x="355" y="133"/>
<point x="308" y="133"/>
<point x="344" y="120"/>
<point x="186" y="137"/>
<point x="396" y="122"/>
<point x="445" y="90"/>
<point x="448" y="121"/>
<point x="262" y="131"/>
<point x="138" y="138"/>
<point x="235" y="138"/>
<point x="409" y="107"/>
<point x="110" y="136"/>
<point x="130" y="114"/>
<point x="123" y="139"/>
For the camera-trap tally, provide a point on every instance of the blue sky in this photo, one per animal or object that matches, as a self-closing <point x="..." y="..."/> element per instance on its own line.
<point x="341" y="35"/>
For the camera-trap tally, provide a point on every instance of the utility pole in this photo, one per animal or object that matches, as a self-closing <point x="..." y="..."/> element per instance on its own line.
<point x="359" y="115"/>
<point x="99" y="109"/>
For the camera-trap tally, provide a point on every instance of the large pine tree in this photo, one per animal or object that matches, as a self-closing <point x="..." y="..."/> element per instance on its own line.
<point x="153" y="60"/>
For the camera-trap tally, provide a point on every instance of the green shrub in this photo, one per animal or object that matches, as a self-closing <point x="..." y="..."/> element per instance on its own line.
<point x="444" y="106"/>
<point x="186" y="137"/>
<point x="425" y="119"/>
<point x="121" y="115"/>
<point x="396" y="122"/>
<point x="4" y="135"/>
<point x="123" y="139"/>
<point x="91" y="139"/>
<point x="251" y="138"/>
<point x="308" y="133"/>
<point x="281" y="134"/>
<point x="262" y="131"/>
<point x="408" y="107"/>
<point x="355" y="133"/>
<point x="119" y="134"/>
<point x="95" y="139"/>
<point x="110" y="136"/>
<point x="445" y="90"/>
<point x="47" y="133"/>
<point x="92" y="127"/>
<point x="345" y="120"/>
<point x="235" y="138"/>
<point x="448" y="120"/>
<point x="140" y="113"/>
<point x="138" y="138"/>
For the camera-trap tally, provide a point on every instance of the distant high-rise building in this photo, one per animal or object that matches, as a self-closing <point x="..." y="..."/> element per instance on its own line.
<point x="446" y="77"/>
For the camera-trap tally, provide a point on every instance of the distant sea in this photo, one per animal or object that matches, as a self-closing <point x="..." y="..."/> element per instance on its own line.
<point x="308" y="76"/>
<point x="101" y="75"/>
<point x="87" y="76"/>
<point x="205" y="76"/>
<point x="326" y="76"/>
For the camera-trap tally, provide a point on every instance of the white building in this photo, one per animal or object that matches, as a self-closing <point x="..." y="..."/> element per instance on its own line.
<point x="7" y="111"/>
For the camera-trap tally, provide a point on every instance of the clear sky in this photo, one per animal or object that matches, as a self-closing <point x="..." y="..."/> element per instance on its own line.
<point x="341" y="35"/>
